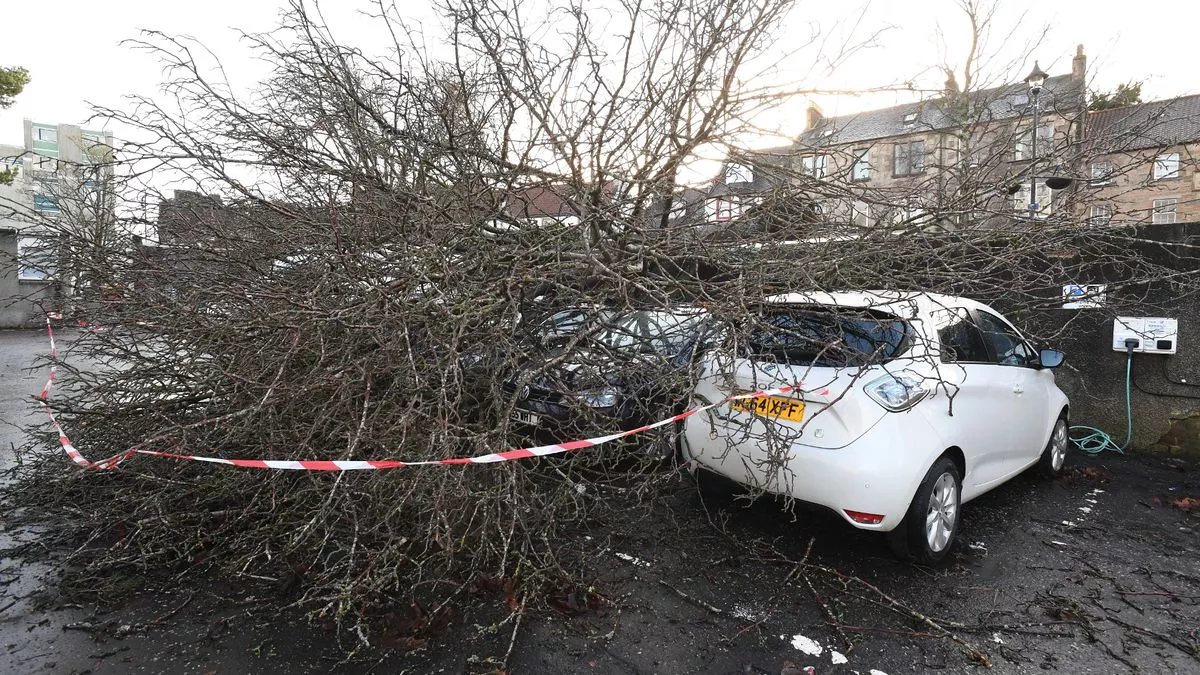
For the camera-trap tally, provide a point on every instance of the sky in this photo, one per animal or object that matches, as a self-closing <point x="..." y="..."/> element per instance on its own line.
<point x="78" y="52"/>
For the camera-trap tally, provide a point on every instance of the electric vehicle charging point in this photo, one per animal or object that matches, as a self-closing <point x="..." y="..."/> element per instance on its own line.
<point x="1132" y="335"/>
<point x="1150" y="335"/>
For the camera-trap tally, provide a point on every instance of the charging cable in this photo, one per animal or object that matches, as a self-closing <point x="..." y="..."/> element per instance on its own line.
<point x="1094" y="441"/>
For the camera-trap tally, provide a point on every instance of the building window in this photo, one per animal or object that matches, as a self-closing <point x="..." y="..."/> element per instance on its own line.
<point x="862" y="165"/>
<point x="910" y="118"/>
<point x="813" y="165"/>
<point x="35" y="259"/>
<point x="909" y="158"/>
<point x="1164" y="211"/>
<point x="1045" y="200"/>
<point x="1101" y="215"/>
<point x="45" y="134"/>
<point x="738" y="173"/>
<point x="45" y="204"/>
<point x="1024" y="145"/>
<point x="723" y="209"/>
<point x="1102" y="173"/>
<point x="1166" y="166"/>
<point x="860" y="213"/>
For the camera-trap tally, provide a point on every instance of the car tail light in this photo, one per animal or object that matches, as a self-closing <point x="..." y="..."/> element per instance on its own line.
<point x="864" y="518"/>
<point x="898" y="391"/>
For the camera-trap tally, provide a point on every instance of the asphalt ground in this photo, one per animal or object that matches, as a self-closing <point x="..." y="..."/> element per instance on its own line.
<point x="1095" y="572"/>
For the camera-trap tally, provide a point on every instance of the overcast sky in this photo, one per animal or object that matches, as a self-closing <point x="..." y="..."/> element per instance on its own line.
<point x="74" y="51"/>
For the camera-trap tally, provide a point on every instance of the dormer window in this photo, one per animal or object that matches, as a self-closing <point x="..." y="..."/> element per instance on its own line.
<point x="827" y="133"/>
<point x="738" y="173"/>
<point x="1018" y="100"/>
<point x="910" y="118"/>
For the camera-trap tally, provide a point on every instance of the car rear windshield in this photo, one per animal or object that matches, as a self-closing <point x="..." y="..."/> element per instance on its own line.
<point x="649" y="332"/>
<point x="828" y="336"/>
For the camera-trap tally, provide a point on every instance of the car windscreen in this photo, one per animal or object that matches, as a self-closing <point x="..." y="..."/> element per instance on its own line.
<point x="647" y="332"/>
<point x="827" y="336"/>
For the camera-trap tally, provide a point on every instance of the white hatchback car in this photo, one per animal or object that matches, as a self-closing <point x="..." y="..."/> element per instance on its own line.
<point x="910" y="404"/>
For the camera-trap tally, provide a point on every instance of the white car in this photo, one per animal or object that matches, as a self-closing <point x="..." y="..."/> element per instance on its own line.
<point x="910" y="404"/>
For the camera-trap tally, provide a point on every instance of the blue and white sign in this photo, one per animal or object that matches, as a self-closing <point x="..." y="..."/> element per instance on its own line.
<point x="1084" y="296"/>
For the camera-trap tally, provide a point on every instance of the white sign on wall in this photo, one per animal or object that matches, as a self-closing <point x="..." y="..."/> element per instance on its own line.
<point x="1084" y="296"/>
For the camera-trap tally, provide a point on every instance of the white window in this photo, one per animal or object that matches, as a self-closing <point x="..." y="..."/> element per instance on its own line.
<point x="1166" y="166"/>
<point x="1102" y="173"/>
<point x="862" y="165"/>
<point x="813" y="165"/>
<point x="1164" y="210"/>
<point x="738" y="173"/>
<point x="860" y="213"/>
<point x="910" y="118"/>
<point x="723" y="209"/>
<point x="1024" y="145"/>
<point x="1101" y="215"/>
<point x="47" y="134"/>
<point x="1045" y="199"/>
<point x="35" y="259"/>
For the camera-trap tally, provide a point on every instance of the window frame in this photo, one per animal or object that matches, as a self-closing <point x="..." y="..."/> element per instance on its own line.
<point x="1159" y="161"/>
<point x="1159" y="207"/>
<point x="46" y="204"/>
<point x="1045" y="209"/>
<point x="864" y="211"/>
<point x="1106" y="176"/>
<point x="738" y="173"/>
<point x="908" y="155"/>
<point x="860" y="171"/>
<point x="972" y="327"/>
<point x="814" y="166"/>
<point x="1094" y="218"/>
<point x="1034" y="354"/>
<point x="731" y="208"/>
<point x="1023" y="147"/>
<point x="44" y="273"/>
<point x="40" y="134"/>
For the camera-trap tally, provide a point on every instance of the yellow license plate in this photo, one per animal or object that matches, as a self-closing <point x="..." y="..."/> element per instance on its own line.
<point x="771" y="406"/>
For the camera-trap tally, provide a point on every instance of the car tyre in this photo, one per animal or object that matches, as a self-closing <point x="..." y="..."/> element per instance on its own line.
<point x="1054" y="456"/>
<point x="927" y="532"/>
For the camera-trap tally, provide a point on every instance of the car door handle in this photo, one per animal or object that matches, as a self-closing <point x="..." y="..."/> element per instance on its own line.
<point x="1017" y="389"/>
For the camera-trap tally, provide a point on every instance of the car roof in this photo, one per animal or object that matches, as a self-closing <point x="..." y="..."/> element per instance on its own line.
<point x="901" y="303"/>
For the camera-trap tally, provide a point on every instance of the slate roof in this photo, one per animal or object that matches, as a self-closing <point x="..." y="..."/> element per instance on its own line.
<point x="1061" y="93"/>
<point x="1147" y="125"/>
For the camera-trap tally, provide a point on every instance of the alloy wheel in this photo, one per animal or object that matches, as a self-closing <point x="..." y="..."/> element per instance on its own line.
<point x="942" y="515"/>
<point x="1058" y="446"/>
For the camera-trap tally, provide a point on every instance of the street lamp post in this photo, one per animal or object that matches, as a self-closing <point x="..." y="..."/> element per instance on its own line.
<point x="1035" y="79"/>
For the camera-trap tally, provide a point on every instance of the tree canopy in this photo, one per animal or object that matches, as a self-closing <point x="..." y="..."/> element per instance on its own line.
<point x="12" y="81"/>
<point x="1128" y="93"/>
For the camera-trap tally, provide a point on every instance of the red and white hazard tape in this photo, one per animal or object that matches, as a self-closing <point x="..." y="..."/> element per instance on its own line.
<point x="360" y="465"/>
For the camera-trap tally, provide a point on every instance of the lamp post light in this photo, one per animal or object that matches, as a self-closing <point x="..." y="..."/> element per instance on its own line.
<point x="1035" y="80"/>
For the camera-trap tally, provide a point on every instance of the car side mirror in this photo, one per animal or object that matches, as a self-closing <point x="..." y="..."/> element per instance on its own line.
<point x="1051" y="358"/>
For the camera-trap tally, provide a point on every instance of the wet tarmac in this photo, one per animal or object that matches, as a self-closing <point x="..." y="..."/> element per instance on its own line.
<point x="1096" y="572"/>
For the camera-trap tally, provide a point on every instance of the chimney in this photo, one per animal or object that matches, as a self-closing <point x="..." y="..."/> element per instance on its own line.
<point x="814" y="115"/>
<point x="1079" y="64"/>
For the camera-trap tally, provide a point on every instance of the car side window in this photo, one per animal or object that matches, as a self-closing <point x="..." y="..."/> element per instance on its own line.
<point x="959" y="339"/>
<point x="1009" y="348"/>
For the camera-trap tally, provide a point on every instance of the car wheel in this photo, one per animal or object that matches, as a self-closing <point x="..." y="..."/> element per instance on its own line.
<point x="931" y="524"/>
<point x="1055" y="455"/>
